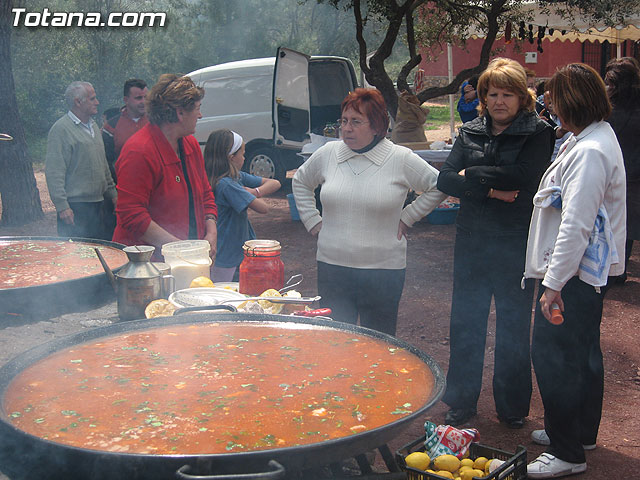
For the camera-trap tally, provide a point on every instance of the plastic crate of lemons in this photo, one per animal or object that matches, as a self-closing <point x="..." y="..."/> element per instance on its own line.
<point x="163" y="308"/>
<point x="481" y="462"/>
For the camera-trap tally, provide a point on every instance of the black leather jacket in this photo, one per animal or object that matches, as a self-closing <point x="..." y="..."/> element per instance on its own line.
<point x="512" y="160"/>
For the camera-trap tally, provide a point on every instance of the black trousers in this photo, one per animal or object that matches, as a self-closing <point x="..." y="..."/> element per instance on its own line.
<point x="88" y="221"/>
<point x="371" y="294"/>
<point x="485" y="267"/>
<point x="568" y="363"/>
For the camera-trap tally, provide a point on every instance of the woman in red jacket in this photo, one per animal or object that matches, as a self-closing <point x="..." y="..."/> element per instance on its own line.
<point x="163" y="191"/>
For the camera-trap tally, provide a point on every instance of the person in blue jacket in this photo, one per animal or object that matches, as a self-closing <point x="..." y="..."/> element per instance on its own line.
<point x="236" y="192"/>
<point x="468" y="103"/>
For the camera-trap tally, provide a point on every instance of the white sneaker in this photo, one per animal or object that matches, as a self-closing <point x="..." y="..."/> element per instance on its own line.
<point x="548" y="466"/>
<point x="541" y="438"/>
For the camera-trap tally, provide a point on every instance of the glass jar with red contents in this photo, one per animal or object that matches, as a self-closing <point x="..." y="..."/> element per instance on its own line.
<point x="262" y="267"/>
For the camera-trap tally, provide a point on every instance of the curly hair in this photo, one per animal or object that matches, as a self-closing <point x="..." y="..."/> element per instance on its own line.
<point x="170" y="93"/>
<point x="370" y="103"/>
<point x="510" y="75"/>
<point x="622" y="78"/>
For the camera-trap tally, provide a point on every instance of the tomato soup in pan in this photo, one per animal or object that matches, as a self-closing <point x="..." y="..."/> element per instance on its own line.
<point x="28" y="263"/>
<point x="217" y="388"/>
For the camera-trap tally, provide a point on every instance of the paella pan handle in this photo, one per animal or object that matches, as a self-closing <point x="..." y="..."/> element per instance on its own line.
<point x="277" y="472"/>
<point x="201" y="308"/>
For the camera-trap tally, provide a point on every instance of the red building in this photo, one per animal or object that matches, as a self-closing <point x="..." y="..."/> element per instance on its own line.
<point x="554" y="54"/>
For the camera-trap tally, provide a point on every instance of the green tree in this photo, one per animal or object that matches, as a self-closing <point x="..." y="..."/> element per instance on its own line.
<point x="441" y="21"/>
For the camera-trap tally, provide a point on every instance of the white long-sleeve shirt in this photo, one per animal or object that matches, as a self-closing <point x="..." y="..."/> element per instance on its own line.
<point x="590" y="172"/>
<point x="362" y="199"/>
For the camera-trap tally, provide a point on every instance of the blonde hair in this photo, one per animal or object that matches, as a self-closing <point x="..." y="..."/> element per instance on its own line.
<point x="510" y="75"/>
<point x="170" y="93"/>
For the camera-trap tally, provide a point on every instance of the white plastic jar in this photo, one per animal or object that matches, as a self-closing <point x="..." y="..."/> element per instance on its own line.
<point x="188" y="259"/>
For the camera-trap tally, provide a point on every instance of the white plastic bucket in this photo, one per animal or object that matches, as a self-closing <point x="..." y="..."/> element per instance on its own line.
<point x="188" y="259"/>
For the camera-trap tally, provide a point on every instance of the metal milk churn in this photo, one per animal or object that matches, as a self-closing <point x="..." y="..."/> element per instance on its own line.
<point x="138" y="282"/>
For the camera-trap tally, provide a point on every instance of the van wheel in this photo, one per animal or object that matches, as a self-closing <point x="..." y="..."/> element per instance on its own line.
<point x="264" y="162"/>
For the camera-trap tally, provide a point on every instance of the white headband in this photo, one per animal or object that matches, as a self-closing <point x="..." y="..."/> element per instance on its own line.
<point x="237" y="143"/>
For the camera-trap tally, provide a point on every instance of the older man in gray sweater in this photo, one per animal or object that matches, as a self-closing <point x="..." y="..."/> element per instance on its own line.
<point x="76" y="168"/>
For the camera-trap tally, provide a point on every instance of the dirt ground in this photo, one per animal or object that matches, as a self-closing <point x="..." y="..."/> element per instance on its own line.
<point x="424" y="322"/>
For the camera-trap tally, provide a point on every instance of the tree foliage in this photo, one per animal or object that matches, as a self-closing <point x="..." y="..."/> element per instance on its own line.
<point x="437" y="22"/>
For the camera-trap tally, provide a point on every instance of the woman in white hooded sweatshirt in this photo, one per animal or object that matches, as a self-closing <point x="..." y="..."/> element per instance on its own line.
<point x="576" y="240"/>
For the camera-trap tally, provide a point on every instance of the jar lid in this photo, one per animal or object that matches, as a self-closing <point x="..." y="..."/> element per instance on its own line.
<point x="189" y="247"/>
<point x="261" y="246"/>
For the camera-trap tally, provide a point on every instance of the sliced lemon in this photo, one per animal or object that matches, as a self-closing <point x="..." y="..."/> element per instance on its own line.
<point x="268" y="306"/>
<point x="159" y="308"/>
<point x="201" y="282"/>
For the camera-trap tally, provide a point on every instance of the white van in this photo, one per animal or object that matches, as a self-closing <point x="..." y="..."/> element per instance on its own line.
<point x="274" y="103"/>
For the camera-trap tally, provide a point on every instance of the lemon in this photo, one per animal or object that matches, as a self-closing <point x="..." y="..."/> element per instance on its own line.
<point x="159" y="308"/>
<point x="445" y="474"/>
<point x="469" y="474"/>
<point x="268" y="306"/>
<point x="201" y="282"/>
<point x="464" y="468"/>
<point x="466" y="462"/>
<point x="487" y="466"/>
<point x="480" y="462"/>
<point x="447" y="462"/>
<point x="418" y="460"/>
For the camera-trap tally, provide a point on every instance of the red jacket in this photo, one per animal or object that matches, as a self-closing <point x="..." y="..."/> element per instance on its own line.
<point x="151" y="185"/>
<point x="116" y="131"/>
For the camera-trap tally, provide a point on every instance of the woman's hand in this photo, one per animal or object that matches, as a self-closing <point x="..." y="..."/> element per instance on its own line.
<point x="549" y="297"/>
<point x="211" y="236"/>
<point x="316" y="229"/>
<point x="403" y="229"/>
<point x="508" y="196"/>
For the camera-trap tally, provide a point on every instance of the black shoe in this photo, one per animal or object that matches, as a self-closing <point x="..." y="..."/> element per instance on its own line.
<point x="458" y="416"/>
<point x="620" y="279"/>
<point x="512" y="422"/>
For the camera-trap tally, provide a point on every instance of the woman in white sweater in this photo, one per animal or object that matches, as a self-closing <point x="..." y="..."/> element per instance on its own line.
<point x="576" y="240"/>
<point x="362" y="244"/>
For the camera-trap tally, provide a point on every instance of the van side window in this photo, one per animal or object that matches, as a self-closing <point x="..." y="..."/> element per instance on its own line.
<point x="222" y="95"/>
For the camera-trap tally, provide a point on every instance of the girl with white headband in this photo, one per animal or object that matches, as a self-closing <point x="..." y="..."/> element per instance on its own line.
<point x="235" y="192"/>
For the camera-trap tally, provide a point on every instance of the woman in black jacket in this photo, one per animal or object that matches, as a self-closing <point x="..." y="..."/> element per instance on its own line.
<point x="494" y="168"/>
<point x="622" y="78"/>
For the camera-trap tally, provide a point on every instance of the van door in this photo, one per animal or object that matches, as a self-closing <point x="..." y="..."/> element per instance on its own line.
<point x="291" y="99"/>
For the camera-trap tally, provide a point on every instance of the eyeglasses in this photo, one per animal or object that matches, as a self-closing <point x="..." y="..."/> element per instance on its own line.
<point x="355" y="123"/>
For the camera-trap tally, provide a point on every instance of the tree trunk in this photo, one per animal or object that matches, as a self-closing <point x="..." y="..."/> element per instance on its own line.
<point x="20" y="196"/>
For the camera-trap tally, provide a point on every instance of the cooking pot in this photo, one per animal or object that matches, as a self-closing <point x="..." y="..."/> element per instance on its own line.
<point x="56" y="460"/>
<point x="62" y="296"/>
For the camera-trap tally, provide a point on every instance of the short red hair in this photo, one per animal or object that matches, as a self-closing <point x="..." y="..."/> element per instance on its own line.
<point x="370" y="103"/>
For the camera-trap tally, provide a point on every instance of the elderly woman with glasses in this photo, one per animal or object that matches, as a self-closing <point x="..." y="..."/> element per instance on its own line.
<point x="364" y="180"/>
<point x="164" y="193"/>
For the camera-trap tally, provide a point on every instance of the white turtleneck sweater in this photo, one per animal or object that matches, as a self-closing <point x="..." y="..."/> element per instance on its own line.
<point x="362" y="199"/>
